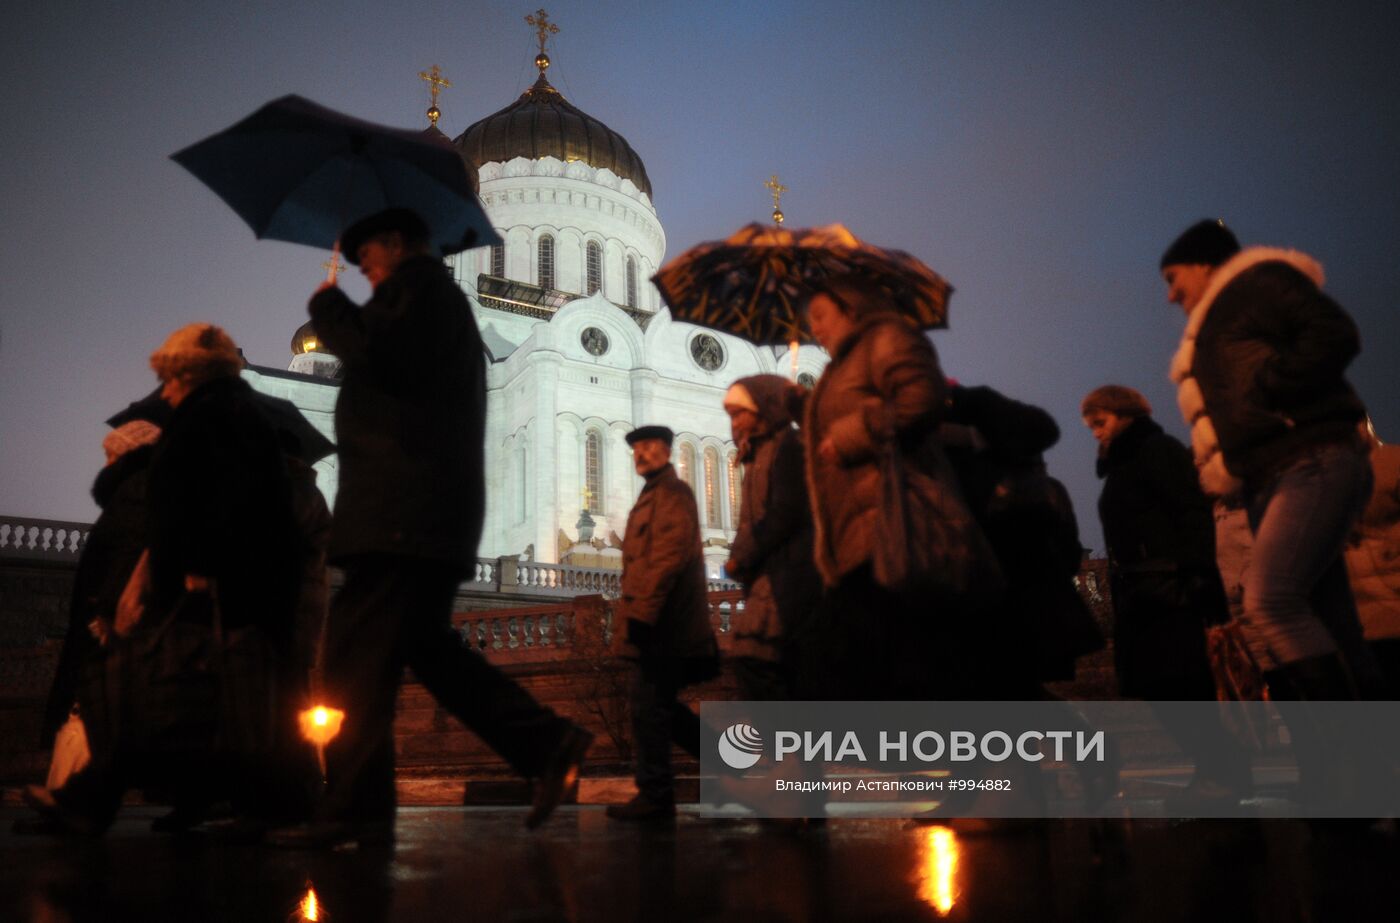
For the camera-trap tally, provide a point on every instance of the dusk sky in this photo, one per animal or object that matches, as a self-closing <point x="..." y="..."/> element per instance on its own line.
<point x="1038" y="155"/>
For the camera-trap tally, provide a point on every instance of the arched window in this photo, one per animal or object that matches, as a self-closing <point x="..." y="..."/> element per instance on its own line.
<point x="687" y="464"/>
<point x="522" y="474"/>
<point x="595" y="267"/>
<point x="593" y="470"/>
<point x="631" y="282"/>
<point x="712" y="513"/>
<point x="498" y="260"/>
<point x="736" y="495"/>
<point x="546" y="261"/>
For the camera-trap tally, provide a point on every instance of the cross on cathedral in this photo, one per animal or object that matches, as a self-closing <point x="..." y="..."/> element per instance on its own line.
<point x="777" y="189"/>
<point x="333" y="266"/>
<point x="543" y="30"/>
<point x="437" y="82"/>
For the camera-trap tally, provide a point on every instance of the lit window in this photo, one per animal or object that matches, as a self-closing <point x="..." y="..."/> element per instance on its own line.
<point x="593" y="471"/>
<point x="712" y="513"/>
<point x="631" y="282"/>
<point x="546" y="261"/>
<point x="595" y="267"/>
<point x="736" y="496"/>
<point x="498" y="260"/>
<point x="687" y="464"/>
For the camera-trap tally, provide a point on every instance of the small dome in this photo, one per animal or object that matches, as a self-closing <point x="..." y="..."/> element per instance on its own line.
<point x="541" y="123"/>
<point x="305" y="340"/>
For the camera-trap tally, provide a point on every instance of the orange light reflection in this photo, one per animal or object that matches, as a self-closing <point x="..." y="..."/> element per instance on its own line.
<point x="939" y="853"/>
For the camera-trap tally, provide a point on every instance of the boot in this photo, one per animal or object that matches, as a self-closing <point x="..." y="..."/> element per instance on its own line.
<point x="1327" y="757"/>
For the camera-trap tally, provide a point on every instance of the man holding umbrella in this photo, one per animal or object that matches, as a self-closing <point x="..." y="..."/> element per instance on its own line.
<point x="410" y="425"/>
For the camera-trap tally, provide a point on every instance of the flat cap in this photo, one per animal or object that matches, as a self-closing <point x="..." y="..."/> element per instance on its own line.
<point x="652" y="431"/>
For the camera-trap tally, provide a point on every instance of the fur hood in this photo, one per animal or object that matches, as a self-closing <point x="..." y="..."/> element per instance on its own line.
<point x="1205" y="444"/>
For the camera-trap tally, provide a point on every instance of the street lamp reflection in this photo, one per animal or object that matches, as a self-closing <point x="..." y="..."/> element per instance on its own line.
<point x="309" y="909"/>
<point x="939" y="853"/>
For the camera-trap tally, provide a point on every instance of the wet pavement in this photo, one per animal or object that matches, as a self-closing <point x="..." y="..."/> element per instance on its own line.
<point x="480" y="864"/>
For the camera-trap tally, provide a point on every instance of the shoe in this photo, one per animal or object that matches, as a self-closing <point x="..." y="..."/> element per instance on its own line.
<point x="642" y="808"/>
<point x="559" y="776"/>
<point x="180" y="820"/>
<point x="335" y="835"/>
<point x="54" y="818"/>
<point x="39" y="798"/>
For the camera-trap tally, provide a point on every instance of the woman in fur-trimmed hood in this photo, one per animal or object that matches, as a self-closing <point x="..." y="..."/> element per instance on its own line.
<point x="1260" y="380"/>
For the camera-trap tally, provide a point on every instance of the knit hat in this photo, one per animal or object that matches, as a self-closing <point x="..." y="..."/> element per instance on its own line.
<point x="1208" y="241"/>
<point x="202" y="351"/>
<point x="1116" y="399"/>
<point x="130" y="436"/>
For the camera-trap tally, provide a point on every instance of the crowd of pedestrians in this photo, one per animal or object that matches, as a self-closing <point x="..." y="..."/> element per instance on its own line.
<point x="885" y="496"/>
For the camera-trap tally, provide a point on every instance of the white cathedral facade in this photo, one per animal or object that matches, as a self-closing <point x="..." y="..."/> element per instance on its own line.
<point x="580" y="347"/>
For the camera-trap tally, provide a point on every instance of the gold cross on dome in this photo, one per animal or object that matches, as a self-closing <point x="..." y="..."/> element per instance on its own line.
<point x="437" y="82"/>
<point x="543" y="27"/>
<point x="777" y="189"/>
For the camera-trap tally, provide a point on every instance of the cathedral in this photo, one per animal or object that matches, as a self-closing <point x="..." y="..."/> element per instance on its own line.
<point x="580" y="348"/>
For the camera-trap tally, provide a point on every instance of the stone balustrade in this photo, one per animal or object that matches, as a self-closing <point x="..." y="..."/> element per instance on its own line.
<point x="42" y="539"/>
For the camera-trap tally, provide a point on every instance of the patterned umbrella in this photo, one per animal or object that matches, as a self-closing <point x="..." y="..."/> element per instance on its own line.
<point x="753" y="284"/>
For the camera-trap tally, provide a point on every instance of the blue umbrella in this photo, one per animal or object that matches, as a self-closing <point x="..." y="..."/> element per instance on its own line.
<point x="300" y="172"/>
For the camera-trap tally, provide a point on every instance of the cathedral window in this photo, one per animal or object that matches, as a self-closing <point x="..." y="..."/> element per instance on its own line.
<point x="522" y="475"/>
<point x="593" y="471"/>
<point x="546" y="261"/>
<point x="712" y="514"/>
<point x="736" y="496"/>
<point x="631" y="282"/>
<point x="687" y="464"/>
<point x="498" y="260"/>
<point x="595" y="267"/>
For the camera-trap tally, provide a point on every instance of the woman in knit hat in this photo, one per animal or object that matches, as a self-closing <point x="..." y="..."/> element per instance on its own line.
<point x="1160" y="536"/>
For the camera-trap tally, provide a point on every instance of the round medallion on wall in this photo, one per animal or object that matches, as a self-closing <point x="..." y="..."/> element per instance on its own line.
<point x="595" y="341"/>
<point x="707" y="352"/>
<point x="806" y="380"/>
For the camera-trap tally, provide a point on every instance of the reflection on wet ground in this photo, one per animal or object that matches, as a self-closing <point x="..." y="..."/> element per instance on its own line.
<point x="479" y="863"/>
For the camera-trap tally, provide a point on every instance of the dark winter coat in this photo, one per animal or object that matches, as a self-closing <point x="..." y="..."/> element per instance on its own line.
<point x="1373" y="559"/>
<point x="221" y="508"/>
<point x="663" y="578"/>
<point x="1160" y="533"/>
<point x="109" y="555"/>
<point x="995" y="445"/>
<point x="411" y="417"/>
<point x="883" y="386"/>
<point x="1260" y="370"/>
<point x="772" y="550"/>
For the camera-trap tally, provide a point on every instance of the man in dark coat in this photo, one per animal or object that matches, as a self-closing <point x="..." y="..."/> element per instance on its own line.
<point x="1160" y="535"/>
<point x="662" y="623"/>
<point x="410" y="426"/>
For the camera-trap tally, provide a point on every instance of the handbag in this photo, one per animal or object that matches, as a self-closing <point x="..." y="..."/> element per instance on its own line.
<point x="928" y="540"/>
<point x="1237" y="679"/>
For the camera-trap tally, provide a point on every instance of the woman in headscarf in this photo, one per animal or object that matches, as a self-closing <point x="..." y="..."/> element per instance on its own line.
<point x="772" y="551"/>
<point x="901" y="607"/>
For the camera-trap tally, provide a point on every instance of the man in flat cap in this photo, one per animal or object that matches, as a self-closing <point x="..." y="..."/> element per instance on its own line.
<point x="410" y="425"/>
<point x="662" y="622"/>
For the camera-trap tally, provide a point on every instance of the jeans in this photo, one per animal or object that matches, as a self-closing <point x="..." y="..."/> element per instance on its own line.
<point x="1297" y="596"/>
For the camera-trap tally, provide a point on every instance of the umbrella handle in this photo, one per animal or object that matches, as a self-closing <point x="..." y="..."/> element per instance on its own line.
<point x="792" y="348"/>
